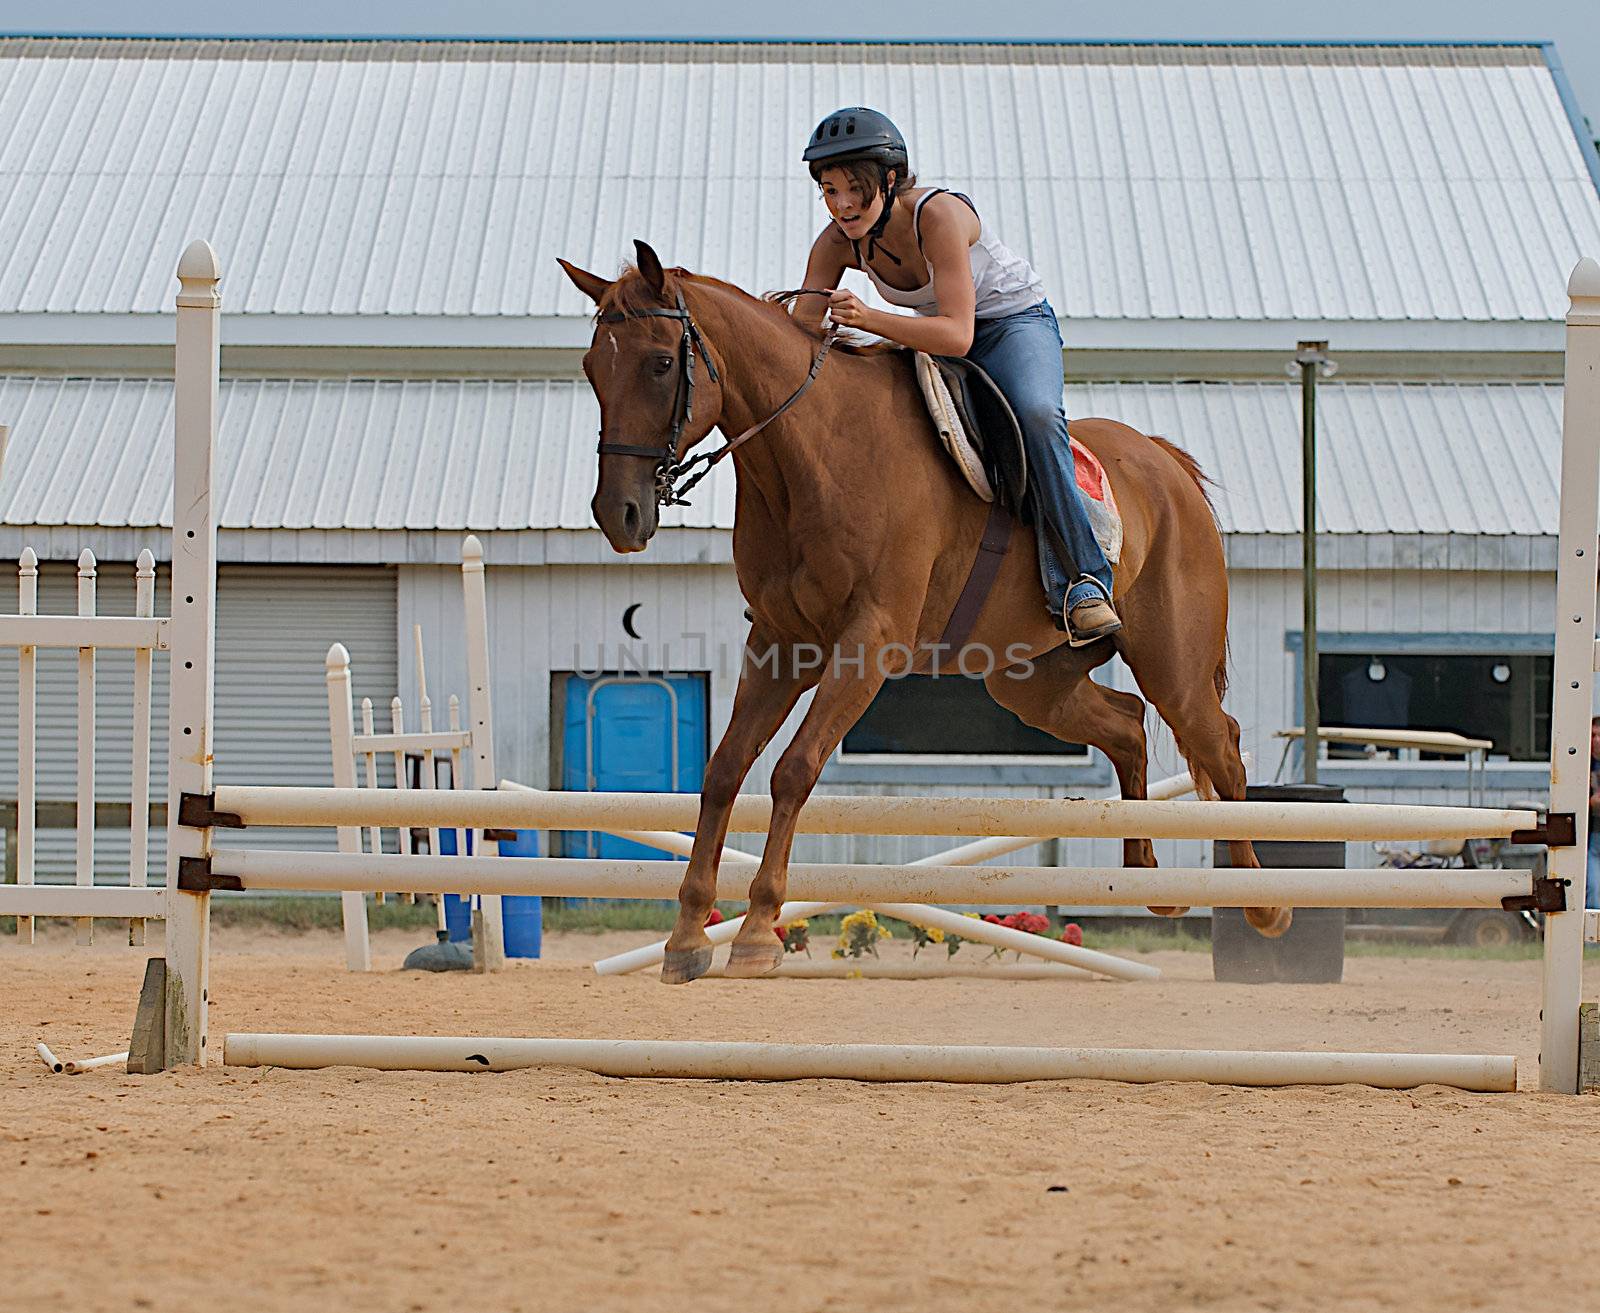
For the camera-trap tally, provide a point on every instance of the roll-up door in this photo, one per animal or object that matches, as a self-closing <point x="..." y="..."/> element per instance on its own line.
<point x="274" y="628"/>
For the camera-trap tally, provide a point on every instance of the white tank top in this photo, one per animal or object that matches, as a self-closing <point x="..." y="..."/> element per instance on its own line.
<point x="1005" y="283"/>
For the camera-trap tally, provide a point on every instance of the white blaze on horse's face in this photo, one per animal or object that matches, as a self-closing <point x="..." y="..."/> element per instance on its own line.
<point x="633" y="371"/>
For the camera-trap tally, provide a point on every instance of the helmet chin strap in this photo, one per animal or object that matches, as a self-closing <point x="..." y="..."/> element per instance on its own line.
<point x="875" y="233"/>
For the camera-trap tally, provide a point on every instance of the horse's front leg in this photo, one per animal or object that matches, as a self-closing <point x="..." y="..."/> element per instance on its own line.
<point x="844" y="692"/>
<point x="764" y="698"/>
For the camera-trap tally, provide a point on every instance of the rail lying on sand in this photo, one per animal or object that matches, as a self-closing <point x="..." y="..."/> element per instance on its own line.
<point x="970" y="1063"/>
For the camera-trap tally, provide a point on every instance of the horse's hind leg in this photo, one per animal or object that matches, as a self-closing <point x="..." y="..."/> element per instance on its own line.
<point x="1208" y="738"/>
<point x="1059" y="697"/>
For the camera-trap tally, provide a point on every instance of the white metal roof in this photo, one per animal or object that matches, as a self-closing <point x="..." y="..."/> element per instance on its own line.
<point x="420" y="455"/>
<point x="438" y="180"/>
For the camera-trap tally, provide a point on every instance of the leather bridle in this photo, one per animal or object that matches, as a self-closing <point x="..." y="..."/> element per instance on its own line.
<point x="674" y="475"/>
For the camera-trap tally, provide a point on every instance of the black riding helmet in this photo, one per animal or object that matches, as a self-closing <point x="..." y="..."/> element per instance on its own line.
<point x="859" y="133"/>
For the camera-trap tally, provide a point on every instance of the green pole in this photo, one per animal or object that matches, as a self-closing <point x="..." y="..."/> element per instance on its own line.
<point x="1312" y="357"/>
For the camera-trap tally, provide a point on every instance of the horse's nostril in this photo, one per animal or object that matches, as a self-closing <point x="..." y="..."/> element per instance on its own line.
<point x="630" y="519"/>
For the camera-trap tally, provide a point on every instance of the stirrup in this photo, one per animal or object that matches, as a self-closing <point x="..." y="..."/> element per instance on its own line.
<point x="1081" y="637"/>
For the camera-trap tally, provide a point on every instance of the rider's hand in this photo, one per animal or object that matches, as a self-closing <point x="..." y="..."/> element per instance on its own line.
<point x="846" y="310"/>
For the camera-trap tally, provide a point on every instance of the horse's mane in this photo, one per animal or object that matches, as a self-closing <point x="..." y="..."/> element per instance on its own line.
<point x="631" y="293"/>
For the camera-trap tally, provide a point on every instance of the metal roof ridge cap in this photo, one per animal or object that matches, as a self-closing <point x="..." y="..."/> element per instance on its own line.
<point x="665" y="39"/>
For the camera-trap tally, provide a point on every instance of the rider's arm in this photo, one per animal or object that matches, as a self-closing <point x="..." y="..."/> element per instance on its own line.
<point x="830" y="257"/>
<point x="949" y="228"/>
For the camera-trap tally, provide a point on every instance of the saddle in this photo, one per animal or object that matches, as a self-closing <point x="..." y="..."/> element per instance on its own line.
<point x="980" y="431"/>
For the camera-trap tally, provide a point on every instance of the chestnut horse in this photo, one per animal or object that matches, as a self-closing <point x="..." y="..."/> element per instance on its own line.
<point x="854" y="532"/>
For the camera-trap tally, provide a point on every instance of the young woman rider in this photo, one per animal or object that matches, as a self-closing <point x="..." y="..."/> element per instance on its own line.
<point x="927" y="250"/>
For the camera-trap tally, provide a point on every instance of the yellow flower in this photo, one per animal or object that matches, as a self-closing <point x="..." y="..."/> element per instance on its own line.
<point x="838" y="952"/>
<point x="935" y="935"/>
<point x="799" y="925"/>
<point x="883" y="932"/>
<point x="973" y="915"/>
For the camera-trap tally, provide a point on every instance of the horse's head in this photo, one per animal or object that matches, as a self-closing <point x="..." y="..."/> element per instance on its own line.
<point x="659" y="391"/>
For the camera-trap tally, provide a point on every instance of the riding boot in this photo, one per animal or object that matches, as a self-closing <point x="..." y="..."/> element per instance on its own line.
<point x="1089" y="614"/>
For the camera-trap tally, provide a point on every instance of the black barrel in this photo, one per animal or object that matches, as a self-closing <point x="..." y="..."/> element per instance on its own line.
<point x="1312" y="951"/>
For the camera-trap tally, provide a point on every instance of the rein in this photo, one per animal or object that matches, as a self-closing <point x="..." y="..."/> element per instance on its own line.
<point x="675" y="477"/>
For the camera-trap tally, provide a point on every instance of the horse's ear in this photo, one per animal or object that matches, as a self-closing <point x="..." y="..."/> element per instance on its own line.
<point x="650" y="266"/>
<point x="591" y="285"/>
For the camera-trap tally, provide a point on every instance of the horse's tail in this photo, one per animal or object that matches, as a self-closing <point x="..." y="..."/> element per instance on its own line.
<point x="1190" y="466"/>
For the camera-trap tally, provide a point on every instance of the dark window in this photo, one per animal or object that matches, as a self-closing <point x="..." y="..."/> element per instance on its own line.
<point x="1502" y="698"/>
<point x="948" y="717"/>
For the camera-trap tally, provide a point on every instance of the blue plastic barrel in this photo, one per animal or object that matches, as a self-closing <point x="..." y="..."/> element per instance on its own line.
<point x="523" y="914"/>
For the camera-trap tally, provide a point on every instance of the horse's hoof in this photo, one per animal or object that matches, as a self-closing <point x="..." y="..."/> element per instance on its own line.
<point x="746" y="961"/>
<point x="681" y="965"/>
<point x="1166" y="911"/>
<point x="1270" y="922"/>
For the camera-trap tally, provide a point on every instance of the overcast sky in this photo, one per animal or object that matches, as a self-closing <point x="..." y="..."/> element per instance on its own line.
<point x="1571" y="24"/>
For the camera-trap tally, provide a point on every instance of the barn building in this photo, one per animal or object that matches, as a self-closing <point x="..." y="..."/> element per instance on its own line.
<point x="401" y="367"/>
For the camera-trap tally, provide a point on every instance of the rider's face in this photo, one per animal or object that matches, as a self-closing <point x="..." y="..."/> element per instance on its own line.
<point x="842" y="195"/>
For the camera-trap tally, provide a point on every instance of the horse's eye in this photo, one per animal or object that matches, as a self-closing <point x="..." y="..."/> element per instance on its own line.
<point x="662" y="364"/>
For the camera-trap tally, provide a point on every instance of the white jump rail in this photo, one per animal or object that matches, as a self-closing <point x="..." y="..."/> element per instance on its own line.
<point x="872" y="885"/>
<point x="192" y="873"/>
<point x="957" y="1063"/>
<point x="1043" y="818"/>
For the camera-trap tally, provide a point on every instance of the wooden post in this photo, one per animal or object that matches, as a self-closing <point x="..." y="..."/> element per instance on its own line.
<point x="193" y="647"/>
<point x="27" y="731"/>
<point x="457" y="775"/>
<point x="370" y="759"/>
<point x="84" y="859"/>
<point x="357" y="947"/>
<point x="1312" y="358"/>
<point x="480" y="717"/>
<point x="139" y="807"/>
<point x="1589" y="1048"/>
<point x="1573" y="678"/>
<point x="402" y="834"/>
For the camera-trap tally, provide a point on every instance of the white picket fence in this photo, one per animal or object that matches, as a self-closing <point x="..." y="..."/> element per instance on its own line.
<point x="87" y="632"/>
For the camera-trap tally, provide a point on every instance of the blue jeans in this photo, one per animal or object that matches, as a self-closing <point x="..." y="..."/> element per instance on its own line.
<point x="1022" y="353"/>
<point x="1592" y="898"/>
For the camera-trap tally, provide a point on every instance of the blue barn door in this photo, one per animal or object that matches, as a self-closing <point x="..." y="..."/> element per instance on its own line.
<point x="631" y="734"/>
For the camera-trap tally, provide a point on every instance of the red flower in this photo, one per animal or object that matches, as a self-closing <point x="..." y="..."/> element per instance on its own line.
<point x="992" y="919"/>
<point x="715" y="918"/>
<point x="782" y="932"/>
<point x="1072" y="933"/>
